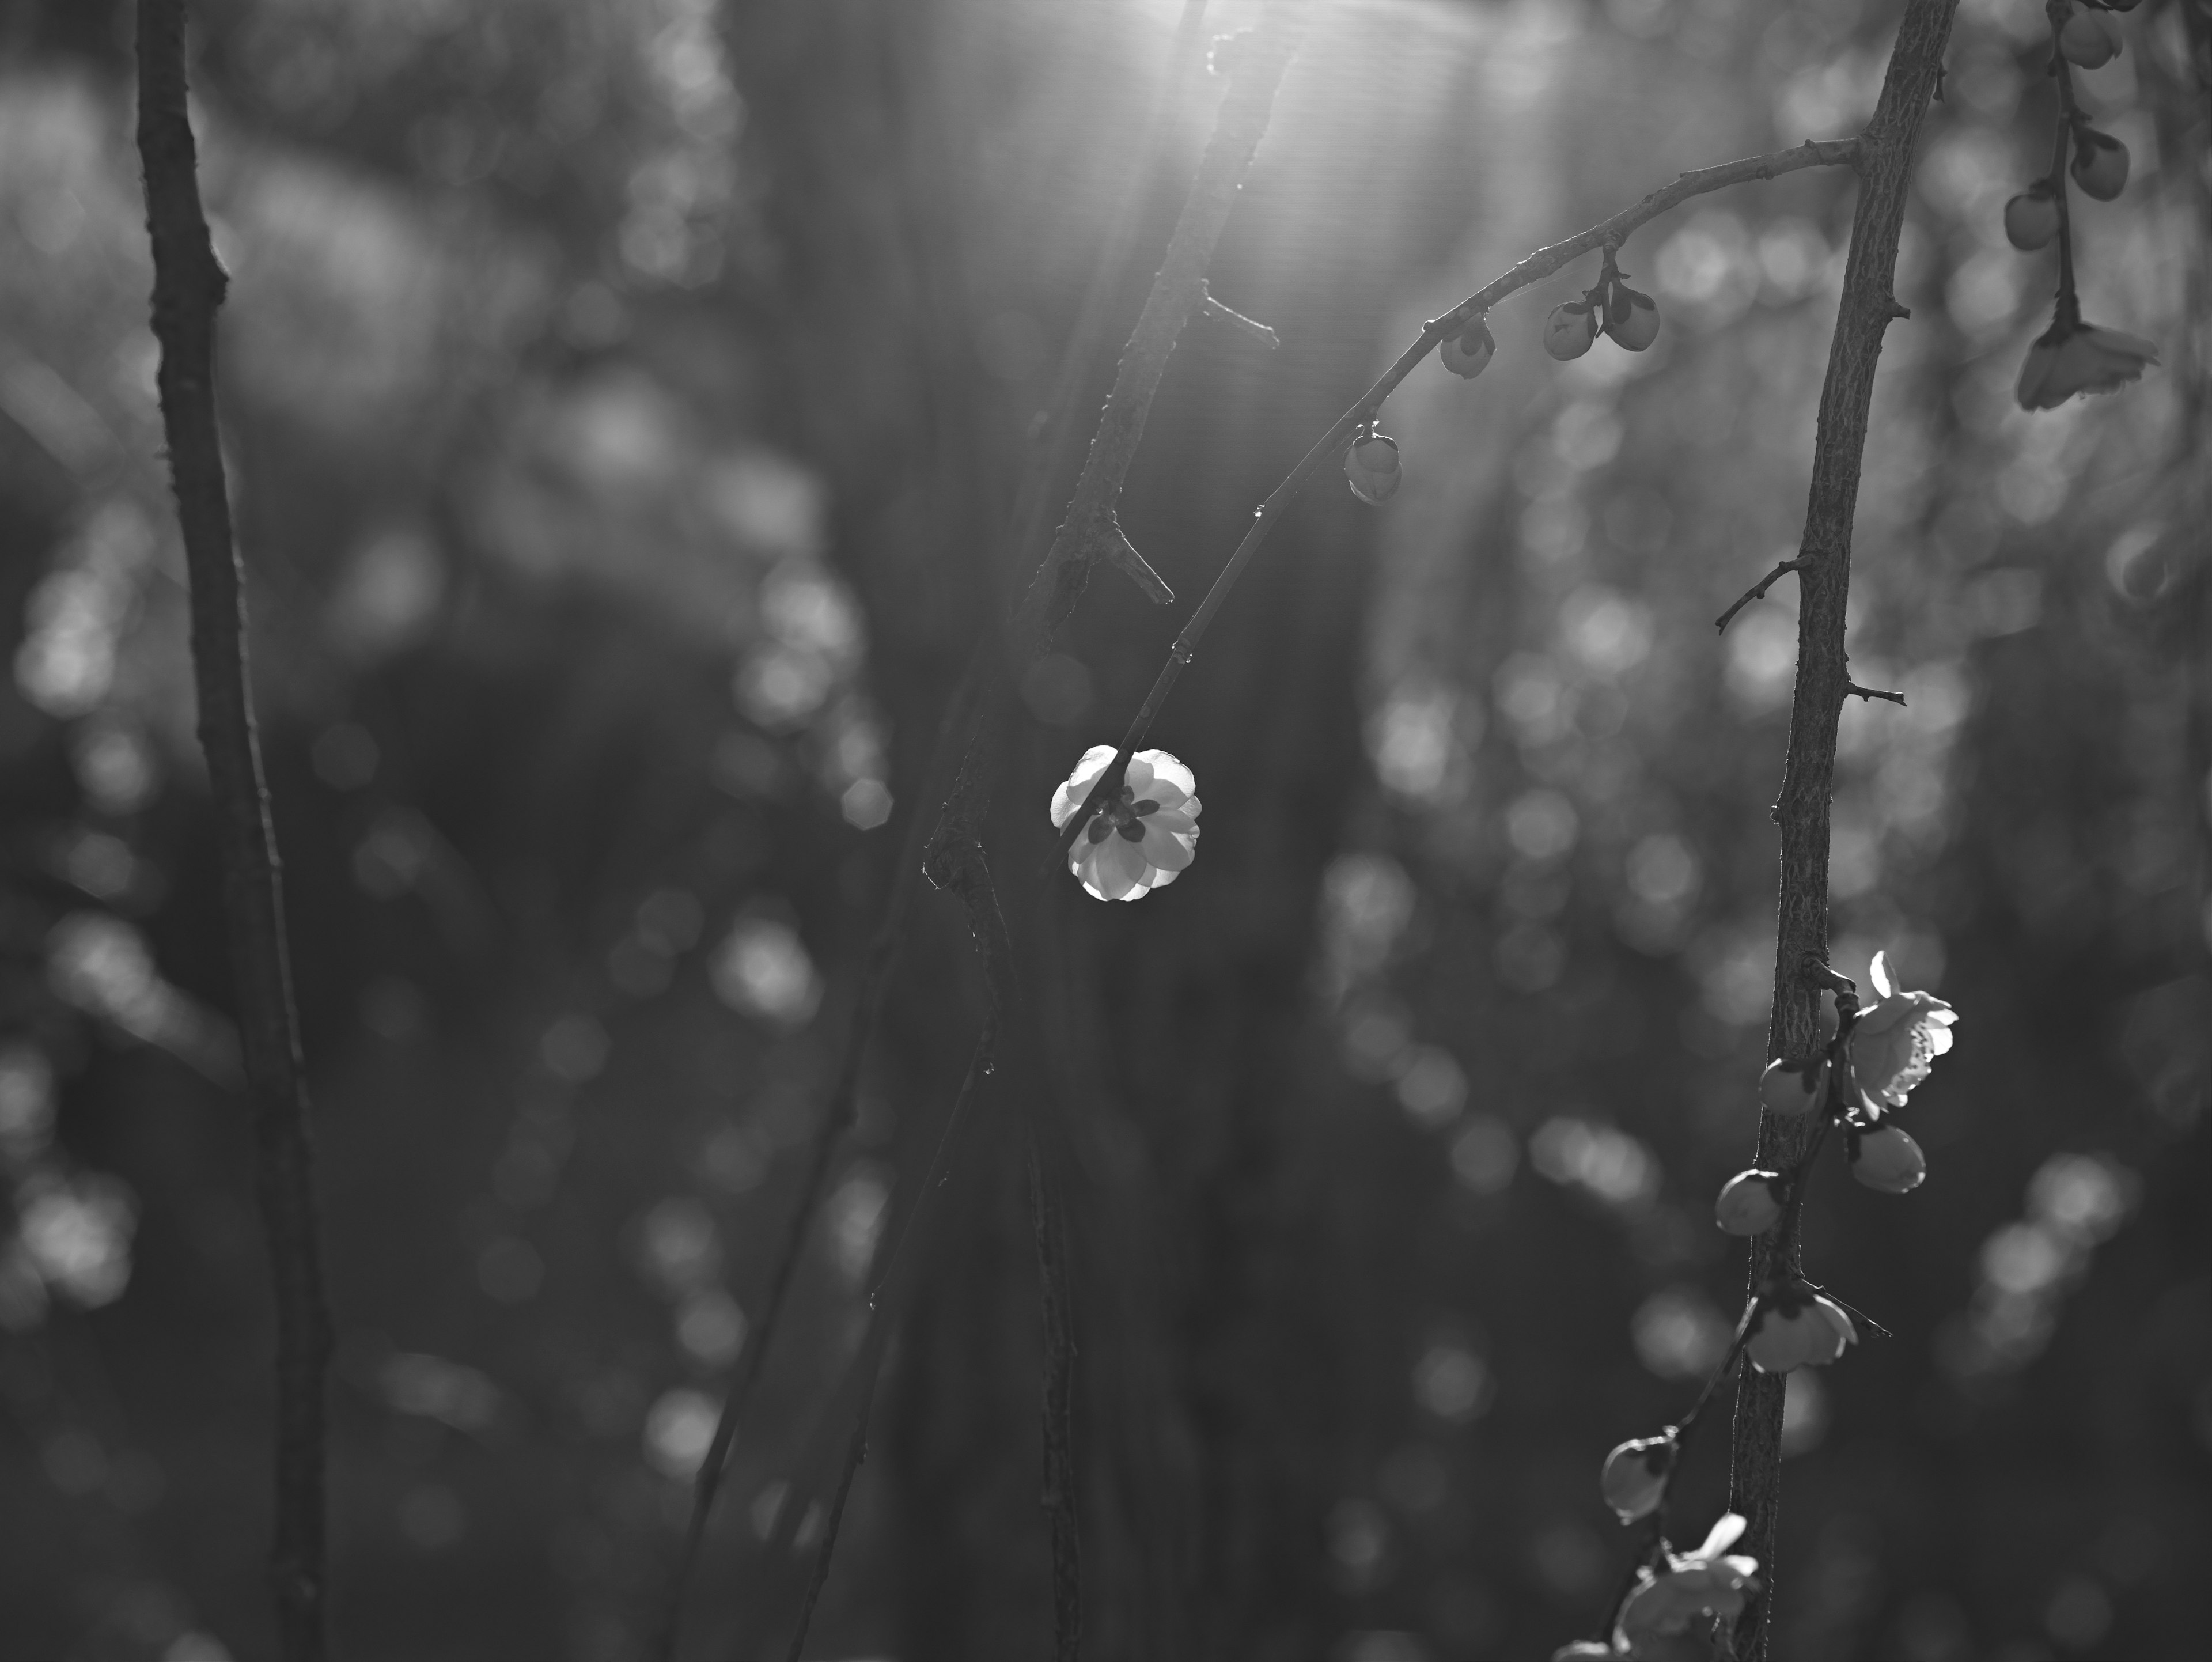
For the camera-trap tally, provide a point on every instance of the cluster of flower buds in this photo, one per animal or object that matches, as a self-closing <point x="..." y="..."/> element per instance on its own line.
<point x="2072" y="356"/>
<point x="1371" y="465"/>
<point x="1628" y="316"/>
<point x="1890" y="1047"/>
<point x="1878" y="1053"/>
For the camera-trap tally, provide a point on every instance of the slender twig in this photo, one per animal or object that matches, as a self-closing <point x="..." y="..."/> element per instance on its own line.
<point x="837" y="1118"/>
<point x="1853" y="690"/>
<point x="886" y="1302"/>
<point x="2069" y="113"/>
<point x="1059" y="1497"/>
<point x="1215" y="312"/>
<point x="188" y="289"/>
<point x="1757" y="591"/>
<point x="1091" y="531"/>
<point x="856" y="1450"/>
<point x="1607" y="233"/>
<point x="1055" y="422"/>
<point x="1884" y="164"/>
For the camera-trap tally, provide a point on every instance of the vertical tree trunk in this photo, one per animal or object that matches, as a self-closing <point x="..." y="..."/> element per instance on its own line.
<point x="1870" y="306"/>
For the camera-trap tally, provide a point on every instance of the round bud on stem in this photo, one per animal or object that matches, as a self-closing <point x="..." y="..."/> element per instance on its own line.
<point x="1751" y="1202"/>
<point x="1888" y="1160"/>
<point x="1467" y="354"/>
<point x="1371" y="467"/>
<point x="1569" y="330"/>
<point x="2031" y="219"/>
<point x="2099" y="165"/>
<point x="1630" y="318"/>
<point x="1793" y="1087"/>
<point x="2090" y="39"/>
<point x="1634" y="1480"/>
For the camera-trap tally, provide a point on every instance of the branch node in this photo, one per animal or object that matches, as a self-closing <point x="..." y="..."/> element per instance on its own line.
<point x="1899" y="309"/>
<point x="1815" y="969"/>
<point x="1852" y="688"/>
<point x="1120" y="552"/>
<point x="1211" y="307"/>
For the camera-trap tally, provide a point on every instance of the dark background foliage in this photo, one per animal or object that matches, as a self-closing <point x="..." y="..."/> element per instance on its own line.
<point x="626" y="402"/>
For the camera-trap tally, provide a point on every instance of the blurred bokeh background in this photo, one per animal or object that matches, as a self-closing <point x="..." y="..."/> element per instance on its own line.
<point x="625" y="400"/>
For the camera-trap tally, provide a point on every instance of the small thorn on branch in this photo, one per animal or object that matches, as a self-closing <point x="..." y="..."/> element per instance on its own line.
<point x="1853" y="687"/>
<point x="1212" y="308"/>
<point x="1122" y="552"/>
<point x="1898" y="308"/>
<point x="1757" y="591"/>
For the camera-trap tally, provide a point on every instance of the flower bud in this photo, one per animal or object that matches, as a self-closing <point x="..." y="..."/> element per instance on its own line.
<point x="1886" y="1158"/>
<point x="2099" y="165"/>
<point x="1751" y="1202"/>
<point x="1375" y="489"/>
<point x="2031" y="219"/>
<point x="1371" y="465"/>
<point x="1793" y="1087"/>
<point x="1467" y="354"/>
<point x="1796" y="1328"/>
<point x="1630" y="318"/>
<point x="2090" y="39"/>
<point x="1376" y="454"/>
<point x="1569" y="330"/>
<point x="1634" y="1480"/>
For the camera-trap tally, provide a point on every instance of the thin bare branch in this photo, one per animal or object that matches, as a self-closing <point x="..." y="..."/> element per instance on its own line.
<point x="1607" y="232"/>
<point x="1091" y="531"/>
<point x="1757" y="591"/>
<point x="1059" y="1497"/>
<point x="1215" y="312"/>
<point x="1869" y="306"/>
<point x="1056" y="424"/>
<point x="1853" y="690"/>
<point x="188" y="289"/>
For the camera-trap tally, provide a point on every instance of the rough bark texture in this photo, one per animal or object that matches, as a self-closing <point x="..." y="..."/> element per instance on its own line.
<point x="1869" y="305"/>
<point x="188" y="289"/>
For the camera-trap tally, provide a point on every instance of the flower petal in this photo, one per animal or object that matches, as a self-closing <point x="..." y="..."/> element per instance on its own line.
<point x="1165" y="850"/>
<point x="1878" y="973"/>
<point x="1161" y="876"/>
<point x="1166" y="769"/>
<point x="1069" y="797"/>
<point x="1172" y="819"/>
<point x="2119" y="340"/>
<point x="1122" y="868"/>
<point x="1723" y="1534"/>
<point x="1086" y="868"/>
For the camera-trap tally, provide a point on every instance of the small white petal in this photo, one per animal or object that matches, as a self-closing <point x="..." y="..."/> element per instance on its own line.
<point x="1069" y="797"/>
<point x="1166" y="768"/>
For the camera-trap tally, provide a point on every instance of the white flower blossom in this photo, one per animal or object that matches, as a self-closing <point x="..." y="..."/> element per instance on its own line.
<point x="1140" y="840"/>
<point x="2073" y="357"/>
<point x="1710" y="1581"/>
<point x="1898" y="1038"/>
<point x="1796" y="1328"/>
